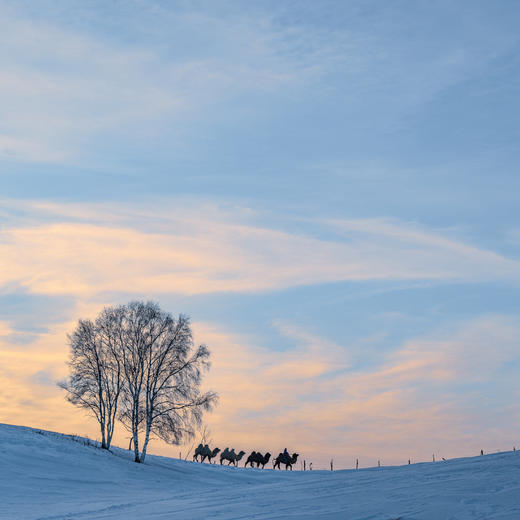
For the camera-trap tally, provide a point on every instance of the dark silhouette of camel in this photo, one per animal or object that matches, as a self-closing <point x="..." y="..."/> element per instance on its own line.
<point x="288" y="461"/>
<point x="251" y="459"/>
<point x="205" y="453"/>
<point x="258" y="458"/>
<point x="198" y="452"/>
<point x="210" y="454"/>
<point x="231" y="456"/>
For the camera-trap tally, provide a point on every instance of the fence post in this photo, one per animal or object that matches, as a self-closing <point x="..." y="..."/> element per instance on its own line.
<point x="433" y="457"/>
<point x="408" y="461"/>
<point x="378" y="463"/>
<point x="304" y="465"/>
<point x="357" y="463"/>
<point x="332" y="464"/>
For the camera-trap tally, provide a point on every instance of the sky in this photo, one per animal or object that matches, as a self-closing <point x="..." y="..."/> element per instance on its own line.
<point x="328" y="189"/>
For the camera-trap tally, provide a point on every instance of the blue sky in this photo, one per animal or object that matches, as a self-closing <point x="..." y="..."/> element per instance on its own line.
<point x="329" y="190"/>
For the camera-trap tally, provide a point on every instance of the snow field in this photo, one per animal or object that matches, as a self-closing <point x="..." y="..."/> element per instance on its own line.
<point x="50" y="477"/>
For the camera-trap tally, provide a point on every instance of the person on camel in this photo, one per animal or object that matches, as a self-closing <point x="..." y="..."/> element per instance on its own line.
<point x="286" y="455"/>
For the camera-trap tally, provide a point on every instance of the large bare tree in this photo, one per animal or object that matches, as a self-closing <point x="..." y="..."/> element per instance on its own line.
<point x="162" y="372"/>
<point x="95" y="378"/>
<point x="139" y="364"/>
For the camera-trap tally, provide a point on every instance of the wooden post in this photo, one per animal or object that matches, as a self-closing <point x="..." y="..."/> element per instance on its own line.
<point x="304" y="465"/>
<point x="408" y="461"/>
<point x="357" y="463"/>
<point x="332" y="464"/>
<point x="378" y="463"/>
<point x="433" y="456"/>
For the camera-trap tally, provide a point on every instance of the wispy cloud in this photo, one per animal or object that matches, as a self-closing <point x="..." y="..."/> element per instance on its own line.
<point x="5" y="329"/>
<point x="185" y="252"/>
<point x="71" y="90"/>
<point x="27" y="149"/>
<point x="63" y="87"/>
<point x="67" y="89"/>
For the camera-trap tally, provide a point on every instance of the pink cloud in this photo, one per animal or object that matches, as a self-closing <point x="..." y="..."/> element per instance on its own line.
<point x="85" y="250"/>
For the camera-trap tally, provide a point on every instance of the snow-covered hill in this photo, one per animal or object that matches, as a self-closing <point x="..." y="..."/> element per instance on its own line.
<point x="49" y="476"/>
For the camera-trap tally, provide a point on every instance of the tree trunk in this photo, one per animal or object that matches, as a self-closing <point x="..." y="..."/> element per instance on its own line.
<point x="103" y="436"/>
<point x="135" y="426"/>
<point x="109" y="436"/>
<point x="136" y="447"/>
<point x="146" y="439"/>
<point x="112" y="420"/>
<point x="135" y="433"/>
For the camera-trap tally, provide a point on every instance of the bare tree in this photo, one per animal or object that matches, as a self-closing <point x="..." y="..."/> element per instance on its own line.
<point x="139" y="364"/>
<point x="95" y="379"/>
<point x="162" y="371"/>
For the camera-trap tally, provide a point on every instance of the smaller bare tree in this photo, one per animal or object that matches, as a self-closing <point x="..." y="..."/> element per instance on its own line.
<point x="95" y="379"/>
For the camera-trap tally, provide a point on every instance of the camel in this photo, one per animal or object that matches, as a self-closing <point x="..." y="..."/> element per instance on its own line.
<point x="251" y="459"/>
<point x="224" y="454"/>
<point x="205" y="453"/>
<point x="238" y="458"/>
<point x="258" y="458"/>
<point x="231" y="456"/>
<point x="263" y="460"/>
<point x="288" y="461"/>
<point x="198" y="452"/>
<point x="210" y="454"/>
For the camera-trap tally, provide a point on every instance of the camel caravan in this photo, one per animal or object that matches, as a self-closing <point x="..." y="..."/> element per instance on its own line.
<point x="204" y="452"/>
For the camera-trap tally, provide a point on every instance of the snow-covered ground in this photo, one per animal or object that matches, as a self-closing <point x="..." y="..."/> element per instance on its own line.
<point x="50" y="476"/>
